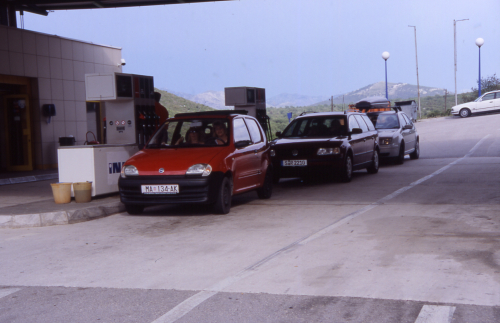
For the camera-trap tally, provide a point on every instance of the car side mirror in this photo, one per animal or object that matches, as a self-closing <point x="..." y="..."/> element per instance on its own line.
<point x="356" y="131"/>
<point x="407" y="126"/>
<point x="278" y="134"/>
<point x="242" y="143"/>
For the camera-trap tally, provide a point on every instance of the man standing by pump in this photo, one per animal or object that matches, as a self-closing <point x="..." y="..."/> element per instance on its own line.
<point x="160" y="110"/>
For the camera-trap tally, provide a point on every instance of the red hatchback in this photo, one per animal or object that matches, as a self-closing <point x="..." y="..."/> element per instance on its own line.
<point x="203" y="157"/>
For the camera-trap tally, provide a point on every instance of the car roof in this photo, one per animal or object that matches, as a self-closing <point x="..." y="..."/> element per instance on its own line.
<point x="326" y="114"/>
<point x="217" y="113"/>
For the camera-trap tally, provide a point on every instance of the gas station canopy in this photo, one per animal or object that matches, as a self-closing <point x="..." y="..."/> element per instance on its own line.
<point x="42" y="7"/>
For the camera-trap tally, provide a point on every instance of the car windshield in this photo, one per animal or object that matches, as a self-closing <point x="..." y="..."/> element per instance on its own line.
<point x="385" y="121"/>
<point x="317" y="127"/>
<point x="183" y="133"/>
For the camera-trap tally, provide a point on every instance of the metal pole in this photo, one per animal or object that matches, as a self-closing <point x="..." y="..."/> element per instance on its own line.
<point x="332" y="102"/>
<point x="455" y="44"/>
<point x="418" y="83"/>
<point x="479" y="87"/>
<point x="386" y="92"/>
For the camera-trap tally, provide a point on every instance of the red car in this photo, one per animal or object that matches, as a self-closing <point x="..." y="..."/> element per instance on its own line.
<point x="204" y="157"/>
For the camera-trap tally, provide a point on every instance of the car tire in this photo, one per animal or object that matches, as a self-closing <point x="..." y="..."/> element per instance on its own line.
<point x="373" y="168"/>
<point x="401" y="157"/>
<point x="416" y="153"/>
<point x="346" y="173"/>
<point x="134" y="209"/>
<point x="464" y="113"/>
<point x="266" y="190"/>
<point x="223" y="203"/>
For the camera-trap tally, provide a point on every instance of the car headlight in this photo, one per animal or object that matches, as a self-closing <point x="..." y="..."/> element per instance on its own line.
<point x="199" y="169"/>
<point x="129" y="170"/>
<point x="328" y="151"/>
<point x="272" y="153"/>
<point x="385" y="141"/>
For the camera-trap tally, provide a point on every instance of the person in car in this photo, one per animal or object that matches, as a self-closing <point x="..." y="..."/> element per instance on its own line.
<point x="220" y="133"/>
<point x="387" y="121"/>
<point x="193" y="136"/>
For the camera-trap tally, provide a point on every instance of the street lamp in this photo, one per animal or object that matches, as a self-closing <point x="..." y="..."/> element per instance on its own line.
<point x="479" y="43"/>
<point x="416" y="58"/>
<point x="385" y="56"/>
<point x="455" y="42"/>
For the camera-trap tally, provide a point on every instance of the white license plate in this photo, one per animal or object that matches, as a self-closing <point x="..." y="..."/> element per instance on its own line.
<point x="160" y="189"/>
<point x="299" y="162"/>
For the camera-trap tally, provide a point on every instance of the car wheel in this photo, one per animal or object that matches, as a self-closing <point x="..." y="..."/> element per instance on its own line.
<point x="346" y="174"/>
<point x="401" y="157"/>
<point x="266" y="190"/>
<point x="223" y="202"/>
<point x="464" y="113"/>
<point x="416" y="153"/>
<point x="134" y="209"/>
<point x="373" y="168"/>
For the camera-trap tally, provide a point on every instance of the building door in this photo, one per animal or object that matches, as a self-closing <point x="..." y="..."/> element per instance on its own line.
<point x="18" y="132"/>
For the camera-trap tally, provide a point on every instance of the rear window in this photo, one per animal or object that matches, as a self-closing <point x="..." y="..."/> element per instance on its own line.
<point x="385" y="121"/>
<point x="182" y="133"/>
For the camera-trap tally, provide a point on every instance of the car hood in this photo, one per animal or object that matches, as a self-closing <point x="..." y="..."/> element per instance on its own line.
<point x="387" y="132"/>
<point x="173" y="161"/>
<point x="304" y="141"/>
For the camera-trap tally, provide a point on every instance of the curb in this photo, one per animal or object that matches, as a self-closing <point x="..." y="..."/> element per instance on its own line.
<point x="60" y="217"/>
<point x="25" y="179"/>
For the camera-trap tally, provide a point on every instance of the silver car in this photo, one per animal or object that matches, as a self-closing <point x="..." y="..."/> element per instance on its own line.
<point x="397" y="135"/>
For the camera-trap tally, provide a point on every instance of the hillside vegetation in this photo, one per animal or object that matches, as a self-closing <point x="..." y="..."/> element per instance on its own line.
<point x="175" y="104"/>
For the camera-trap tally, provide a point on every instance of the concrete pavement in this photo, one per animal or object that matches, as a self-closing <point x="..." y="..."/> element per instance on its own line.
<point x="26" y="200"/>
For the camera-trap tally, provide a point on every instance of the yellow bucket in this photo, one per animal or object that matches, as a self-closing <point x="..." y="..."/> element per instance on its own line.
<point x="83" y="192"/>
<point x="61" y="192"/>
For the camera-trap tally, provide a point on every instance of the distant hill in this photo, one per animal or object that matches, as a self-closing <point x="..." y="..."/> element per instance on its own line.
<point x="286" y="99"/>
<point x="395" y="90"/>
<point x="175" y="104"/>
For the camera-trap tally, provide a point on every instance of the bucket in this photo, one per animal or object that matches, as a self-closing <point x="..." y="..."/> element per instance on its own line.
<point x="61" y="192"/>
<point x="83" y="192"/>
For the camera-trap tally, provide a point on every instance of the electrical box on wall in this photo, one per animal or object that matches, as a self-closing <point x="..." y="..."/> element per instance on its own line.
<point x="110" y="86"/>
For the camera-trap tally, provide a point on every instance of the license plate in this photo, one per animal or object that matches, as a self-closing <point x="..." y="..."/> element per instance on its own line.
<point x="160" y="189"/>
<point x="299" y="162"/>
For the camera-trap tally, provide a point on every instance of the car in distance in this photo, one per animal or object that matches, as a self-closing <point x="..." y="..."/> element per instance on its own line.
<point x="397" y="134"/>
<point x="204" y="157"/>
<point x="490" y="101"/>
<point x="326" y="143"/>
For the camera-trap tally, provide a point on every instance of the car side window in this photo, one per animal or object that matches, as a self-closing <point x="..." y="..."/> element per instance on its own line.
<point x="497" y="95"/>
<point x="240" y="130"/>
<point x="254" y="130"/>
<point x="361" y="123"/>
<point x="407" y="119"/>
<point x="352" y="123"/>
<point x="369" y="123"/>
<point x="489" y="96"/>
<point x="402" y="120"/>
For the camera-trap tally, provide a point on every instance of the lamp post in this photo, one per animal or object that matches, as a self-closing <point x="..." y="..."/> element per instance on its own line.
<point x="385" y="56"/>
<point x="416" y="58"/>
<point x="455" y="42"/>
<point x="479" y="43"/>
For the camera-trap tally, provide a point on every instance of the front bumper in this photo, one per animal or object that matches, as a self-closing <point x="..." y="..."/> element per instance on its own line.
<point x="315" y="166"/>
<point x="387" y="151"/>
<point x="192" y="189"/>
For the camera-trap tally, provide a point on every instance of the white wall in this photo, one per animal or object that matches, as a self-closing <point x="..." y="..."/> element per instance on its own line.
<point x="58" y="66"/>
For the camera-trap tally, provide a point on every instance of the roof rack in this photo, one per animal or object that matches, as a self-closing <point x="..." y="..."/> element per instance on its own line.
<point x="211" y="113"/>
<point x="306" y="112"/>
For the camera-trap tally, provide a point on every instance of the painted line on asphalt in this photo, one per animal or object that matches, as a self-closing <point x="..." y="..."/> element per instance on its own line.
<point x="435" y="314"/>
<point x="7" y="291"/>
<point x="190" y="303"/>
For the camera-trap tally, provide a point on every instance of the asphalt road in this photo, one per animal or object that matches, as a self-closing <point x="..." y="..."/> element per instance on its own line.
<point x="418" y="242"/>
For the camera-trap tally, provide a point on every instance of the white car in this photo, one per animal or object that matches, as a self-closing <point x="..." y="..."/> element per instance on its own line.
<point x="490" y="101"/>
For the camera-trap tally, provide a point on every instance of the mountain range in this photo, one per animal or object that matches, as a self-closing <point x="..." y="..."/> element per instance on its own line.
<point x="402" y="91"/>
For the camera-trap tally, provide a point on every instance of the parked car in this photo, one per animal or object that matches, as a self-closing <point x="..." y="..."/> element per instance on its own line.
<point x="397" y="134"/>
<point x="489" y="101"/>
<point x="204" y="157"/>
<point x="325" y="143"/>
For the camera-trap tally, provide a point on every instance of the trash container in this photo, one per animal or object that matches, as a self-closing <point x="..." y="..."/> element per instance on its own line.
<point x="61" y="192"/>
<point x="67" y="141"/>
<point x="83" y="192"/>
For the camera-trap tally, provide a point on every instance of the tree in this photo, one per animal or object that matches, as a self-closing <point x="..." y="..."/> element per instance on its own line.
<point x="489" y="83"/>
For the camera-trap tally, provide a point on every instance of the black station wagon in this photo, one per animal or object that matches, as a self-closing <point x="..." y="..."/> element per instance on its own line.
<point x="330" y="142"/>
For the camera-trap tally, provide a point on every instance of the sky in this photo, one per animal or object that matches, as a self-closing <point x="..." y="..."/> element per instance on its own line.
<point x="315" y="48"/>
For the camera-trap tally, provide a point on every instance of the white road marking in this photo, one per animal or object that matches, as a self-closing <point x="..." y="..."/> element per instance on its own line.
<point x="435" y="314"/>
<point x="7" y="291"/>
<point x="190" y="303"/>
